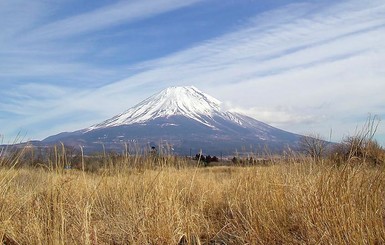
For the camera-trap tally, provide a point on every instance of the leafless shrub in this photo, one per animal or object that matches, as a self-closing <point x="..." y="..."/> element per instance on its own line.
<point x="362" y="147"/>
<point x="313" y="145"/>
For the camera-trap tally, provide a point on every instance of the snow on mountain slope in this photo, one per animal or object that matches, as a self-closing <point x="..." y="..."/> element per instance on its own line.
<point x="186" y="119"/>
<point x="174" y="101"/>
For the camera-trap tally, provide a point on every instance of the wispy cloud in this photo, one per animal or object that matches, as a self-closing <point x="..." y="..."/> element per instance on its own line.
<point x="303" y="67"/>
<point x="30" y="48"/>
<point x="325" y="63"/>
<point x="254" y="53"/>
<point x="122" y="12"/>
<point x="43" y="77"/>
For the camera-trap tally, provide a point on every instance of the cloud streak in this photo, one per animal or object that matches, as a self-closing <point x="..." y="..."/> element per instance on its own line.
<point x="303" y="67"/>
<point x="122" y="12"/>
<point x="319" y="63"/>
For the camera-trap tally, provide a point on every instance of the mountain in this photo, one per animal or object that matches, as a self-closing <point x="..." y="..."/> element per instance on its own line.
<point x="182" y="120"/>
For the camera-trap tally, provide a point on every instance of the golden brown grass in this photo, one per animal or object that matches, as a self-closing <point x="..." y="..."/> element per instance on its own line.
<point x="292" y="203"/>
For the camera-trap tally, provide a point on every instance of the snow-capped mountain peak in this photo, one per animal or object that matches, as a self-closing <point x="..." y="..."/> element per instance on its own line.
<point x="184" y="118"/>
<point x="185" y="101"/>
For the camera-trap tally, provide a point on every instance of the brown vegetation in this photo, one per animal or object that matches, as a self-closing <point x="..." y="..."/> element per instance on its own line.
<point x="291" y="203"/>
<point x="335" y="197"/>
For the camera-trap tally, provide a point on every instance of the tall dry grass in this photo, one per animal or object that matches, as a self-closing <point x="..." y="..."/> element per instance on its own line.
<point x="291" y="203"/>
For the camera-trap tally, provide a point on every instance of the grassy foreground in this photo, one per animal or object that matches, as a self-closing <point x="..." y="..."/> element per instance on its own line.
<point x="292" y="203"/>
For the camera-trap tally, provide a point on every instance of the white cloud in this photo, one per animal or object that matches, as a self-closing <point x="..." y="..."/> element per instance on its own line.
<point x="119" y="13"/>
<point x="304" y="67"/>
<point x="30" y="49"/>
<point x="323" y="64"/>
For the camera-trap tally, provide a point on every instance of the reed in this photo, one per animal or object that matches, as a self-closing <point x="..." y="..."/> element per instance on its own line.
<point x="147" y="200"/>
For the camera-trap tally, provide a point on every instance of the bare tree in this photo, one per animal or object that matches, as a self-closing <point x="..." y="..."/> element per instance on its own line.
<point x="363" y="146"/>
<point x="313" y="145"/>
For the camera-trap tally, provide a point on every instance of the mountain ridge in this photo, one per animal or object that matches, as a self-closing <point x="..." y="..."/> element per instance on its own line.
<point x="187" y="119"/>
<point x="187" y="101"/>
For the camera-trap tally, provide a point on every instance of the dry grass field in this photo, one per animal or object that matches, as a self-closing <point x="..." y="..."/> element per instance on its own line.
<point x="296" y="202"/>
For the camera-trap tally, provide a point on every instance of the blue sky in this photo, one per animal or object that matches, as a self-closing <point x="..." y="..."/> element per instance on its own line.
<point x="303" y="66"/>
